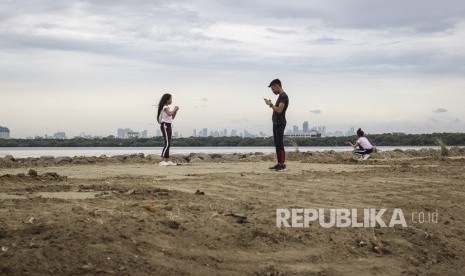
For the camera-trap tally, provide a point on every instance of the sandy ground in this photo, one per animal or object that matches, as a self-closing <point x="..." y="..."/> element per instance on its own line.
<point x="216" y="218"/>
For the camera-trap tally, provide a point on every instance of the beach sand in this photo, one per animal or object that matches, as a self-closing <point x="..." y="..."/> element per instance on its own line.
<point x="216" y="215"/>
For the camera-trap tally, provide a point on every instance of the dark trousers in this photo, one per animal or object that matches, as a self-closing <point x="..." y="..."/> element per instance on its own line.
<point x="166" y="131"/>
<point x="278" y="135"/>
<point x="362" y="151"/>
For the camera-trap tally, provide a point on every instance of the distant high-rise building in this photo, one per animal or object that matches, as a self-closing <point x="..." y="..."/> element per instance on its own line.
<point x="120" y="134"/>
<point x="233" y="132"/>
<point x="295" y="129"/>
<point x="125" y="133"/>
<point x="145" y="134"/>
<point x="158" y="133"/>
<point x="194" y="133"/>
<point x="59" y="135"/>
<point x="350" y="132"/>
<point x="4" y="133"/>
<point x="225" y="132"/>
<point x="338" y="133"/>
<point x="322" y="130"/>
<point x="248" y="134"/>
<point x="133" y="134"/>
<point x="205" y="132"/>
<point x="305" y="127"/>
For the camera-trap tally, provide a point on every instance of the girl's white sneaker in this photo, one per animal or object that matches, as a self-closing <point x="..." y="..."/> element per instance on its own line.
<point x="171" y="163"/>
<point x="163" y="164"/>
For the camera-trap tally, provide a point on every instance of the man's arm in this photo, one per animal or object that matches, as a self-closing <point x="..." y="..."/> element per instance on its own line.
<point x="279" y="108"/>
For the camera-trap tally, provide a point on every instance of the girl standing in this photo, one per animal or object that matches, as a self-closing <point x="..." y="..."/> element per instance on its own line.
<point x="165" y="117"/>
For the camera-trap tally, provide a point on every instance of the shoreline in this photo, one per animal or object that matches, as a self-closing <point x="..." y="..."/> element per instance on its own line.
<point x="329" y="156"/>
<point x="37" y="152"/>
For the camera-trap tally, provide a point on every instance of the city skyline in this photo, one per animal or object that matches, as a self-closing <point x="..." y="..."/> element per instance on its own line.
<point x="397" y="66"/>
<point x="125" y="133"/>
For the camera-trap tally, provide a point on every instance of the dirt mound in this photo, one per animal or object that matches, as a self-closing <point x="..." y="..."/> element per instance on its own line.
<point x="33" y="175"/>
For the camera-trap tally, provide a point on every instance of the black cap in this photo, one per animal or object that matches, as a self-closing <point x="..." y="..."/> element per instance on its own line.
<point x="275" y="81"/>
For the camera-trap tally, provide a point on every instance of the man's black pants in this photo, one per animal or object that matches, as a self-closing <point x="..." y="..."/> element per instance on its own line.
<point x="278" y="135"/>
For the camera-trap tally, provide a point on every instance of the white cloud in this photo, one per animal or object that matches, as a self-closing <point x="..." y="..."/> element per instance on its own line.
<point x="440" y="110"/>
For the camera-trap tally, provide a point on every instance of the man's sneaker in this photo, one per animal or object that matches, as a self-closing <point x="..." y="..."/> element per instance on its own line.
<point x="276" y="166"/>
<point x="366" y="156"/>
<point x="171" y="163"/>
<point x="280" y="168"/>
<point x="163" y="164"/>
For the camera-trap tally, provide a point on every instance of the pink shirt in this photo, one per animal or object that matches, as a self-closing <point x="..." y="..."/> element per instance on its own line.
<point x="364" y="143"/>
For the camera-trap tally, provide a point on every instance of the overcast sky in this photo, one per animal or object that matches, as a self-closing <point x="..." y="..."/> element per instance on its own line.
<point x="96" y="66"/>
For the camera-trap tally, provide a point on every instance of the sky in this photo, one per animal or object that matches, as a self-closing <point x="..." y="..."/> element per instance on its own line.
<point x="96" y="66"/>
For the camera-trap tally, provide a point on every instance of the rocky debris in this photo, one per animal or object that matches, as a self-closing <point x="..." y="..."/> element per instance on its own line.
<point x="330" y="156"/>
<point x="63" y="159"/>
<point x="198" y="158"/>
<point x="53" y="176"/>
<point x="378" y="247"/>
<point x="121" y="158"/>
<point x="215" y="156"/>
<point x="47" y="158"/>
<point x="155" y="158"/>
<point x="195" y="160"/>
<point x="171" y="224"/>
<point x="360" y="242"/>
<point x="457" y="150"/>
<point x="198" y="192"/>
<point x="136" y="156"/>
<point x="32" y="174"/>
<point x="3" y="233"/>
<point x="231" y="157"/>
<point x="240" y="218"/>
<point x="31" y="159"/>
<point x="130" y="192"/>
<point x="205" y="157"/>
<point x="86" y="188"/>
<point x="9" y="158"/>
<point x="150" y="208"/>
<point x="80" y="160"/>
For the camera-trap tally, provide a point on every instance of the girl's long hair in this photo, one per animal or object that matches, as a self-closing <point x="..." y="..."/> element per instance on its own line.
<point x="161" y="104"/>
<point x="360" y="132"/>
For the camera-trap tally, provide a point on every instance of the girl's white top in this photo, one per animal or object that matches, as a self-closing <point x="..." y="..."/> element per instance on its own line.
<point x="164" y="117"/>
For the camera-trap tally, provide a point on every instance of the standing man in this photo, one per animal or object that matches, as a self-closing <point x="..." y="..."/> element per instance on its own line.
<point x="279" y="122"/>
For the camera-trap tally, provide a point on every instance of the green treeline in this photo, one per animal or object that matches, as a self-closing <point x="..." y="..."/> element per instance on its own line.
<point x="450" y="139"/>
